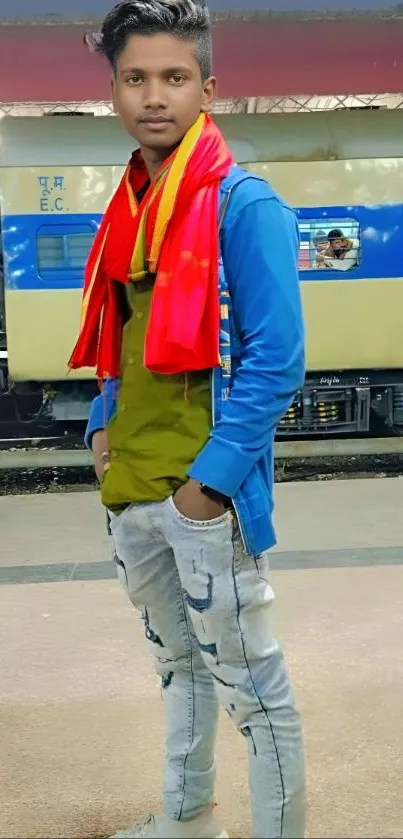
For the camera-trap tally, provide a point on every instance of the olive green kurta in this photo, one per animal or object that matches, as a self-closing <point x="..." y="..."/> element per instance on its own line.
<point x="161" y="422"/>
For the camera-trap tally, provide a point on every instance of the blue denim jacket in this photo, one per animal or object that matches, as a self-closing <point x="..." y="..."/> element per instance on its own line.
<point x="262" y="354"/>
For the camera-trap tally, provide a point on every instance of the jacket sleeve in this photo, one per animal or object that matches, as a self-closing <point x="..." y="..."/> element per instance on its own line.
<point x="102" y="410"/>
<point x="260" y="254"/>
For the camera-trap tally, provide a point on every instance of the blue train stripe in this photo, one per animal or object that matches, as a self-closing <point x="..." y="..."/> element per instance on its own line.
<point x="49" y="252"/>
<point x="380" y="233"/>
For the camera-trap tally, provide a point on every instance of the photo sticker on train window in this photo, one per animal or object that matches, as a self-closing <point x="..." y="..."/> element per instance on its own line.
<point x="331" y="245"/>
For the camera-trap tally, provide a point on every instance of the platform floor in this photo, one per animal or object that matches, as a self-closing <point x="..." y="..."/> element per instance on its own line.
<point x="81" y="735"/>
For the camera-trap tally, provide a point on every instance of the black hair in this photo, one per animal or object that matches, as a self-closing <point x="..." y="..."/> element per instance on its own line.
<point x="185" y="19"/>
<point x="319" y="237"/>
<point x="335" y="234"/>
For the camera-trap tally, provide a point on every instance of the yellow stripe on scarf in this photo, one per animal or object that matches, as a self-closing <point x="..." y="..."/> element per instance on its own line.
<point x="133" y="203"/>
<point x="171" y="187"/>
<point x="138" y="261"/>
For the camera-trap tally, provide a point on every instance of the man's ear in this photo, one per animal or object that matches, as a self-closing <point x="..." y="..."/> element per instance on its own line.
<point x="209" y="93"/>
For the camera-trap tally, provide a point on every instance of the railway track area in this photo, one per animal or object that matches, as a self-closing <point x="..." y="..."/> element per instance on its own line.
<point x="48" y="460"/>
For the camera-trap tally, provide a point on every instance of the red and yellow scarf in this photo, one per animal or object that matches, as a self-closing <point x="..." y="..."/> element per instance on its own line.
<point x="172" y="233"/>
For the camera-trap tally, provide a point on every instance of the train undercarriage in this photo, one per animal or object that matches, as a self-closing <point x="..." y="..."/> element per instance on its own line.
<point x="347" y="403"/>
<point x="330" y="403"/>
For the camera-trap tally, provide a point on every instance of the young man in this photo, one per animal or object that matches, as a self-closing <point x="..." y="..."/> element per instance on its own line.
<point x="341" y="253"/>
<point x="197" y="333"/>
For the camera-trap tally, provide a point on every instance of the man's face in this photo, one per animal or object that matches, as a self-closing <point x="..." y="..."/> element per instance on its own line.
<point x="338" y="246"/>
<point x="158" y="90"/>
<point x="321" y="247"/>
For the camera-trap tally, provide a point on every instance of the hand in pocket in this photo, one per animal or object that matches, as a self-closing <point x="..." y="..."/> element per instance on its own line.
<point x="192" y="503"/>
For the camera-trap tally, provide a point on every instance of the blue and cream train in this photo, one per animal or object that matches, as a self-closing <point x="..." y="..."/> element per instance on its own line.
<point x="340" y="170"/>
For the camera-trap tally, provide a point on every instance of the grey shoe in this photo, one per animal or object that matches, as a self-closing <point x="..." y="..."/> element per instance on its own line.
<point x="204" y="826"/>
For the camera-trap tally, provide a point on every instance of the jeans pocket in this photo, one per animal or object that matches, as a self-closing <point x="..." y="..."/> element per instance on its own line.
<point x="262" y="563"/>
<point x="220" y="521"/>
<point x="113" y="521"/>
<point x="116" y="521"/>
<point x="121" y="571"/>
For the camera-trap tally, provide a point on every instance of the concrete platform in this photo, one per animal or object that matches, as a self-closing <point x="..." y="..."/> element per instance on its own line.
<point x="81" y="714"/>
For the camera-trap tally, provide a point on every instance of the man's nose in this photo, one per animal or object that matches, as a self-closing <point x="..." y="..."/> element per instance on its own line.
<point x="155" y="95"/>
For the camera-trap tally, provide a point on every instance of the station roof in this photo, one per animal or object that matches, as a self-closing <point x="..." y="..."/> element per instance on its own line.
<point x="95" y="9"/>
<point x="256" y="55"/>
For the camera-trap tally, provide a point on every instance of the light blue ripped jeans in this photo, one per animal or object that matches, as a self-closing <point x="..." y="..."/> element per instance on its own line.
<point x="206" y="607"/>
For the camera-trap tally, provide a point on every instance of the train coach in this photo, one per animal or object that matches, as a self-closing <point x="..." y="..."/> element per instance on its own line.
<point x="342" y="172"/>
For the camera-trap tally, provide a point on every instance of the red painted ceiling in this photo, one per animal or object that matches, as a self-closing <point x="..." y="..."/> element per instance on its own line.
<point x="259" y="58"/>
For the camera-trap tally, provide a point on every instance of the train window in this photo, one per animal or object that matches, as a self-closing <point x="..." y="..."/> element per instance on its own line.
<point x="329" y="245"/>
<point x="62" y="250"/>
<point x="78" y="247"/>
<point x="50" y="252"/>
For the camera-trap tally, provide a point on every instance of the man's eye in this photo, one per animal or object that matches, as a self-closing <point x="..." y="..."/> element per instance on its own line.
<point x="135" y="80"/>
<point x="177" y="78"/>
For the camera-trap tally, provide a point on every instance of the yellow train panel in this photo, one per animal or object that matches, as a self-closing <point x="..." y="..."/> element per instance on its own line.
<point x="332" y="183"/>
<point x="349" y="324"/>
<point x="87" y="189"/>
<point x="353" y="324"/>
<point x="58" y="190"/>
<point x="41" y="331"/>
